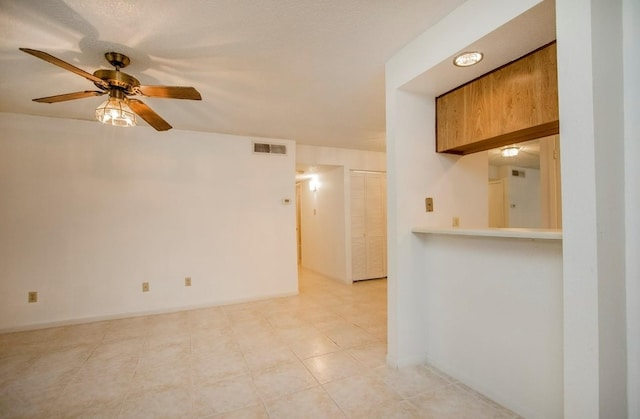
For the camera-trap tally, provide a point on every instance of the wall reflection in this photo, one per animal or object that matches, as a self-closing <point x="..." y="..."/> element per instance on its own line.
<point x="524" y="185"/>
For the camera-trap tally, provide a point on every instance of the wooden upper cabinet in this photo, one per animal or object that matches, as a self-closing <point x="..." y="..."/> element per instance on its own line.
<point x="517" y="102"/>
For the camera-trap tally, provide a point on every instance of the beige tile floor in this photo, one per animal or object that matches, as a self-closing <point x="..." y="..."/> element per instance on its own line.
<point x="320" y="354"/>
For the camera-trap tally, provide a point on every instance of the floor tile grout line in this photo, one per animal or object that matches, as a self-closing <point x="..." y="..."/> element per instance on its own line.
<point x="76" y="374"/>
<point x="275" y="313"/>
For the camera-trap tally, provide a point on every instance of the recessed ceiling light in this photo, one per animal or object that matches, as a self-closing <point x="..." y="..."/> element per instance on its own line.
<point x="467" y="59"/>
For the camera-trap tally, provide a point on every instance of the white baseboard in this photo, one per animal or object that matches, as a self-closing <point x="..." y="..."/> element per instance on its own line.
<point x="116" y="316"/>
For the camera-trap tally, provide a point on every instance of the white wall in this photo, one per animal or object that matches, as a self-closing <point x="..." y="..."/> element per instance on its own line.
<point x="631" y="34"/>
<point x="592" y="119"/>
<point x="88" y="212"/>
<point x="349" y="159"/>
<point x="493" y="318"/>
<point x="494" y="172"/>
<point x="323" y="225"/>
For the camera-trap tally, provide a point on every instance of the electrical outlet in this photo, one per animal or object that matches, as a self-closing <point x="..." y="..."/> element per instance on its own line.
<point x="33" y="296"/>
<point x="455" y="222"/>
<point x="187" y="281"/>
<point x="145" y="287"/>
<point x="428" y="203"/>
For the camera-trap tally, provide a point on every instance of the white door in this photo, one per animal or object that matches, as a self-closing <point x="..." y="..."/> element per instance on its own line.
<point x="298" y="224"/>
<point x="368" y="225"/>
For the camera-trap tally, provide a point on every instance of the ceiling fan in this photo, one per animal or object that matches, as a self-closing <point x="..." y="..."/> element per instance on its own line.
<point x="119" y="109"/>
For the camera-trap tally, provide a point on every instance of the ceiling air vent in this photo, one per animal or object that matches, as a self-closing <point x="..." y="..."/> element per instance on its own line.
<point x="269" y="148"/>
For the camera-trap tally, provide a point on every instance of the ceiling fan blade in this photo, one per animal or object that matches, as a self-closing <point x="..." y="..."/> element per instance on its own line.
<point x="146" y="113"/>
<point x="69" y="96"/>
<point x="173" y="92"/>
<point x="63" y="64"/>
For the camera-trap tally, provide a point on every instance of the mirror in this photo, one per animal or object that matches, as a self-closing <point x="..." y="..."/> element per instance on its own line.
<point x="524" y="185"/>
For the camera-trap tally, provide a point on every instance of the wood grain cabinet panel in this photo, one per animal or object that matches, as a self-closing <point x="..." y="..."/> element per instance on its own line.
<point x="450" y="116"/>
<point x="517" y="102"/>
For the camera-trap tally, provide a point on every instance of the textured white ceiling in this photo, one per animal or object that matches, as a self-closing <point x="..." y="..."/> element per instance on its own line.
<point x="307" y="70"/>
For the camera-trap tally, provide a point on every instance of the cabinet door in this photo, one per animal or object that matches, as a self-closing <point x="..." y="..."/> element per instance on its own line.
<point x="368" y="226"/>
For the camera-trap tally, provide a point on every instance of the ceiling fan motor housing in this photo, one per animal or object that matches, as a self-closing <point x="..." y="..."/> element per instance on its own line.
<point x="118" y="79"/>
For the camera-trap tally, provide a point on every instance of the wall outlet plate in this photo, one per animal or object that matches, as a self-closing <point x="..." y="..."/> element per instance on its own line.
<point x="33" y="296"/>
<point x="145" y="287"/>
<point x="187" y="281"/>
<point x="428" y="203"/>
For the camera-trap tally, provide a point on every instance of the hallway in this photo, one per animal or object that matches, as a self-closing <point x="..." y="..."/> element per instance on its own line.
<point x="320" y="354"/>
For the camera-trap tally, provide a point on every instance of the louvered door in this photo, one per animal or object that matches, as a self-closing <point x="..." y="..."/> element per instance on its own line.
<point x="368" y="225"/>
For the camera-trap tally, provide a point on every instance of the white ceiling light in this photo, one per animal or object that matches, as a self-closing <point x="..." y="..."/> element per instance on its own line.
<point x="510" y="151"/>
<point x="467" y="59"/>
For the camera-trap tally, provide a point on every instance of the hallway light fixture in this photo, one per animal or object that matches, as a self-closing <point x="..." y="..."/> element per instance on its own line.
<point x="115" y="111"/>
<point x="313" y="183"/>
<point x="467" y="59"/>
<point x="510" y="151"/>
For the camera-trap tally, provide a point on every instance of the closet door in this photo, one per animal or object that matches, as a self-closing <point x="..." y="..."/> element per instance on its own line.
<point x="368" y="225"/>
<point x="358" y="228"/>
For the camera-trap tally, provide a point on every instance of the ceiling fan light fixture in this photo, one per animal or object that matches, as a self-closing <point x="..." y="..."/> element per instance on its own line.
<point x="119" y="110"/>
<point x="510" y="151"/>
<point x="467" y="59"/>
<point x="115" y="111"/>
